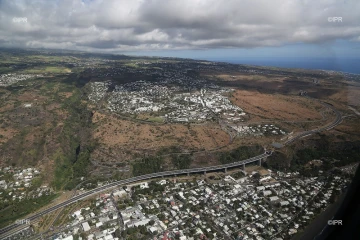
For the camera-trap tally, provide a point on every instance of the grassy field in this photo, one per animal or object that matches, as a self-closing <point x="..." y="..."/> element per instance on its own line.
<point x="156" y="119"/>
<point x="134" y="65"/>
<point x="5" y="70"/>
<point x="48" y="69"/>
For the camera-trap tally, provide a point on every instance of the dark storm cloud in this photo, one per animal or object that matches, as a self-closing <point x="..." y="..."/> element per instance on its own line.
<point x="166" y="24"/>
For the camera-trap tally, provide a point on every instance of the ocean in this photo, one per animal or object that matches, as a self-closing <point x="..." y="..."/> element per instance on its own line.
<point x="334" y="64"/>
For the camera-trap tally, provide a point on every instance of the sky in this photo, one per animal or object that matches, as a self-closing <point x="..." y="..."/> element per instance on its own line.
<point x="203" y="29"/>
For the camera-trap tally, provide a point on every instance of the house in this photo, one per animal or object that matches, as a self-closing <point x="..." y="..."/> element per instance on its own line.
<point x="144" y="185"/>
<point x="86" y="226"/>
<point x="284" y="203"/>
<point x="274" y="198"/>
<point x="267" y="193"/>
<point x="139" y="223"/>
<point x="120" y="193"/>
<point x="153" y="229"/>
<point x="3" y="184"/>
<point x="109" y="237"/>
<point x="69" y="238"/>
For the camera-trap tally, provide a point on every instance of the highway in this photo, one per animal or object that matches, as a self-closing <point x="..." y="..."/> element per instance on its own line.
<point x="7" y="231"/>
<point x="11" y="229"/>
<point x="336" y="122"/>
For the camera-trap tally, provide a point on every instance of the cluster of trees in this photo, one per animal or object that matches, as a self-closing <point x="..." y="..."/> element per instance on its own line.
<point x="134" y="233"/>
<point x="334" y="154"/>
<point x="240" y="153"/>
<point x="181" y="161"/>
<point x="148" y="165"/>
<point x="346" y="152"/>
<point x="73" y="159"/>
<point x="238" y="175"/>
<point x="168" y="150"/>
<point x="153" y="188"/>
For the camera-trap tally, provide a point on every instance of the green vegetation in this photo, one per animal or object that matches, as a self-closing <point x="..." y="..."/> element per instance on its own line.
<point x="148" y="165"/>
<point x="348" y="154"/>
<point x="73" y="159"/>
<point x="136" y="233"/>
<point x="238" y="175"/>
<point x="134" y="65"/>
<point x="153" y="188"/>
<point x="168" y="150"/>
<point x="332" y="154"/>
<point x="20" y="209"/>
<point x="156" y="119"/>
<point x="48" y="69"/>
<point x="241" y="153"/>
<point x="181" y="161"/>
<point x="5" y="70"/>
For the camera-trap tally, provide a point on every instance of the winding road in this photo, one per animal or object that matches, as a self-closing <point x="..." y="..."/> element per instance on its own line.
<point x="336" y="122"/>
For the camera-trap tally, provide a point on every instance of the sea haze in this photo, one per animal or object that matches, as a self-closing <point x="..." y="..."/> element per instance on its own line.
<point x="335" y="64"/>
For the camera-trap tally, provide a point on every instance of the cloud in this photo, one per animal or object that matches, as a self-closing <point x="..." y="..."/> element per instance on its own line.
<point x="134" y="25"/>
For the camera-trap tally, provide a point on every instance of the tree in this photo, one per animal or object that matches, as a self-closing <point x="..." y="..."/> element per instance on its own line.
<point x="256" y="176"/>
<point x="117" y="233"/>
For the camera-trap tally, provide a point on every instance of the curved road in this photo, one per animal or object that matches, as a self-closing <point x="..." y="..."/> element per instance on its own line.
<point x="336" y="122"/>
<point x="11" y="229"/>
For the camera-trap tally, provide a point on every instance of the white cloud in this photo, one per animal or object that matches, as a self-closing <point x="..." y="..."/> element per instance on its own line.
<point x="168" y="24"/>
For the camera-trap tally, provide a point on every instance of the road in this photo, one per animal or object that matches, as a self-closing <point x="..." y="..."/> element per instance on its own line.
<point x="11" y="229"/>
<point x="7" y="231"/>
<point x="336" y="122"/>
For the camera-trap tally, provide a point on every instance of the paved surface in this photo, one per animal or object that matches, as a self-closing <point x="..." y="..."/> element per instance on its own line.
<point x="336" y="122"/>
<point x="12" y="229"/>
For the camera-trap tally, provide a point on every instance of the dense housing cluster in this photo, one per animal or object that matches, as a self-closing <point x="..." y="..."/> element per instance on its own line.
<point x="267" y="206"/>
<point x="17" y="184"/>
<point x="172" y="103"/>
<point x="12" y="78"/>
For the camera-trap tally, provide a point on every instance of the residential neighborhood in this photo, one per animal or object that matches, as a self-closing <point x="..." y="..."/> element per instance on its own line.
<point x="259" y="204"/>
<point x="12" y="78"/>
<point x="17" y="184"/>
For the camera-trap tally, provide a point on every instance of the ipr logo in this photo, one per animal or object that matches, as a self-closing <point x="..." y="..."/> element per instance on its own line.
<point x="335" y="222"/>
<point x="334" y="19"/>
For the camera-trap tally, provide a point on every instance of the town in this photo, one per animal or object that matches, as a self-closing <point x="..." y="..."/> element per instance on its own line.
<point x="18" y="184"/>
<point x="12" y="78"/>
<point x="256" y="204"/>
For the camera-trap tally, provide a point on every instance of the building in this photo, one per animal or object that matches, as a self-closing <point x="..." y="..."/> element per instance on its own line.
<point x="69" y="238"/>
<point x="274" y="198"/>
<point x="86" y="226"/>
<point x="120" y="193"/>
<point x="267" y="193"/>
<point x="284" y="203"/>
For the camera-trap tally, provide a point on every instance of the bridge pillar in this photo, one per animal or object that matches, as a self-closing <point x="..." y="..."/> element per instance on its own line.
<point x="188" y="174"/>
<point x="243" y="167"/>
<point x="225" y="170"/>
<point x="204" y="172"/>
<point x="260" y="162"/>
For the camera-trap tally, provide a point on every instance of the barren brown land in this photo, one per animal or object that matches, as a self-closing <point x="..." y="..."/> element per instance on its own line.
<point x="62" y="124"/>
<point x="126" y="136"/>
<point x="276" y="106"/>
